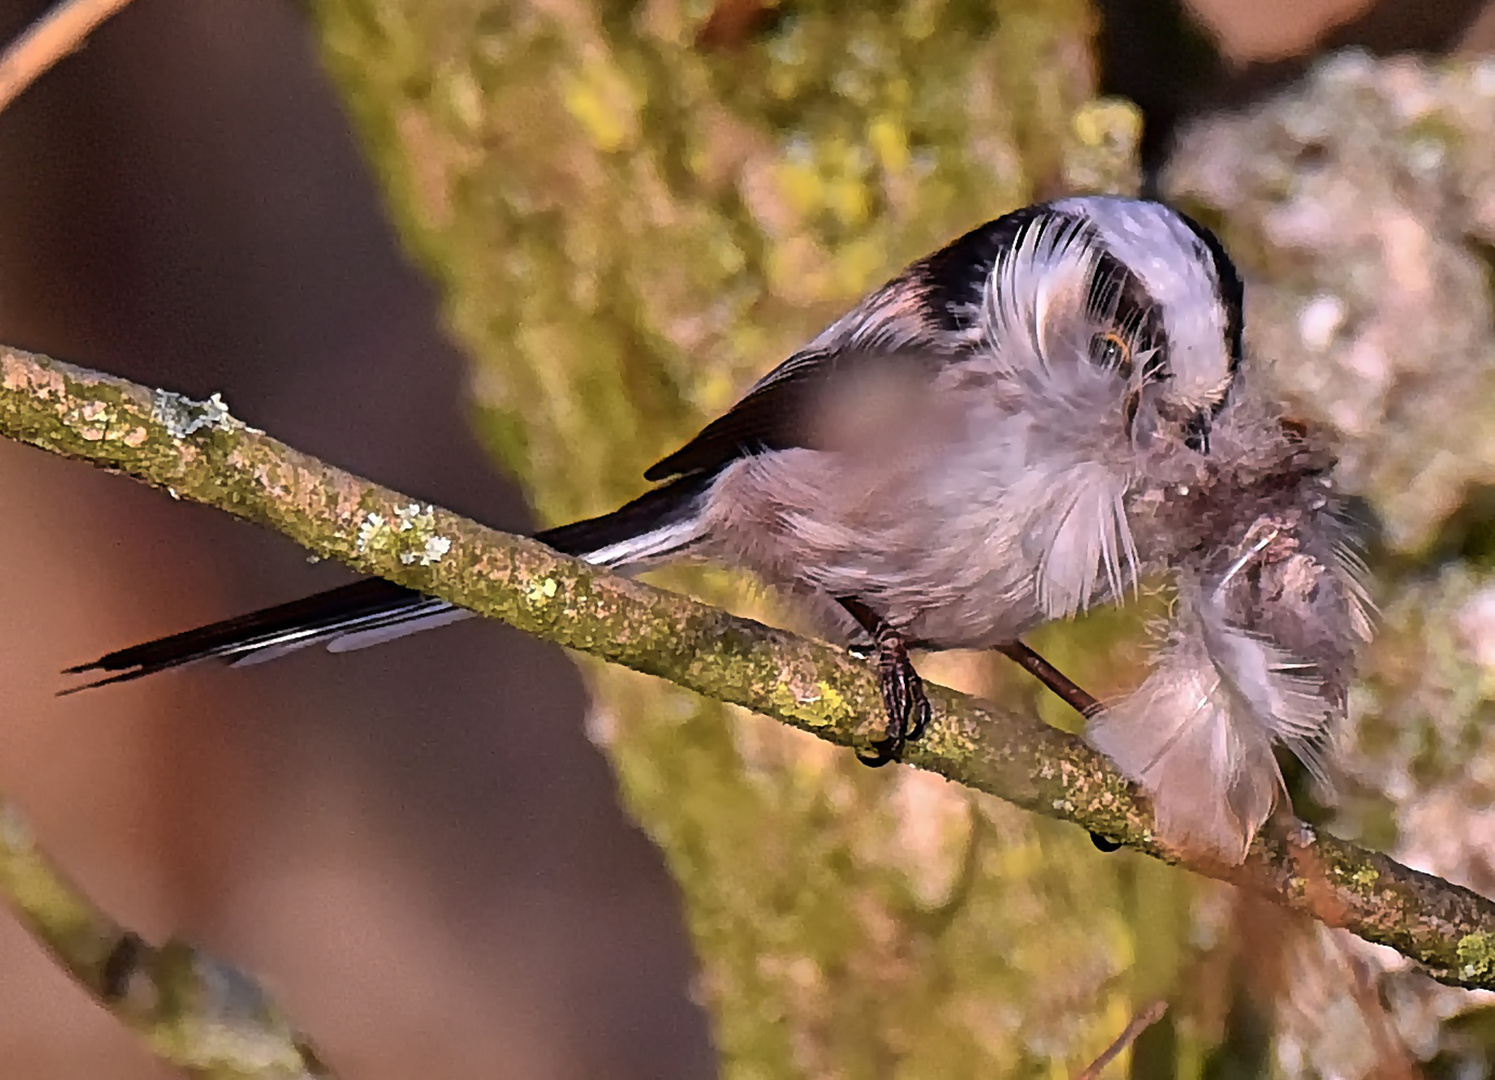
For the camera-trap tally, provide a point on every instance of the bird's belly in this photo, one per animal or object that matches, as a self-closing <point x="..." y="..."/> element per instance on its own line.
<point x="887" y="537"/>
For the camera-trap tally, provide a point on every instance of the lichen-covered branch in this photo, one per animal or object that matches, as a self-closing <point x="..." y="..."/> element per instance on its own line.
<point x="194" y="1011"/>
<point x="198" y="451"/>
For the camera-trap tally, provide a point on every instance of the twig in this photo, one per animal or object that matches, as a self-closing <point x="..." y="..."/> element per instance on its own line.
<point x="53" y="36"/>
<point x="199" y="452"/>
<point x="194" y="1011"/>
<point x="1034" y="664"/>
<point x="1140" y="1023"/>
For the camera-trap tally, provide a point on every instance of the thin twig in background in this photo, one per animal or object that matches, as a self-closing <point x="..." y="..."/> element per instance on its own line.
<point x="1140" y="1023"/>
<point x="194" y="1011"/>
<point x="53" y="36"/>
<point x="198" y="451"/>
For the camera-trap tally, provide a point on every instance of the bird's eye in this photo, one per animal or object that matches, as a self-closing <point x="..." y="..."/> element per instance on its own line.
<point x="1110" y="351"/>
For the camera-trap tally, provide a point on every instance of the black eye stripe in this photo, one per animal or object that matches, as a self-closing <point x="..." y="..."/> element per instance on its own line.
<point x="1230" y="291"/>
<point x="953" y="287"/>
<point x="1118" y="300"/>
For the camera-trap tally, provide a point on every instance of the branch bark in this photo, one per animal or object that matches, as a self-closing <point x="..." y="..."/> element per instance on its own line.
<point x="198" y="451"/>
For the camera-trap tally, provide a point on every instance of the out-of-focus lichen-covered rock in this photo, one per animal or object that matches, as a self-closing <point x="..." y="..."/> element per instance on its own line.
<point x="1425" y="736"/>
<point x="1361" y="205"/>
<point x="1102" y="156"/>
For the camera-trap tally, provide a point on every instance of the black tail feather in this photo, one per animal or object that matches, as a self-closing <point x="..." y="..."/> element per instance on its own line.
<point x="357" y="604"/>
<point x="373" y="604"/>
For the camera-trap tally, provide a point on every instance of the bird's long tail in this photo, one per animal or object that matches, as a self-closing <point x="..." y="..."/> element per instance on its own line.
<point x="659" y="524"/>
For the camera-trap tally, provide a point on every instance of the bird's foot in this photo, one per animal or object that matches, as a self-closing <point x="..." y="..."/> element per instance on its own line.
<point x="903" y="698"/>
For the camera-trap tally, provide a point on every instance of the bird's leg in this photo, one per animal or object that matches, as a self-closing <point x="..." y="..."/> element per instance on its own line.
<point x="1046" y="673"/>
<point x="908" y="707"/>
<point x="902" y="689"/>
<point x="1068" y="691"/>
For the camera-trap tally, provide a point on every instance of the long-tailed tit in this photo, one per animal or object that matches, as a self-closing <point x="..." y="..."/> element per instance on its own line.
<point x="1022" y="425"/>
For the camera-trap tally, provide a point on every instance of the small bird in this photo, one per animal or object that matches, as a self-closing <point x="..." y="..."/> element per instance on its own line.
<point x="1031" y="421"/>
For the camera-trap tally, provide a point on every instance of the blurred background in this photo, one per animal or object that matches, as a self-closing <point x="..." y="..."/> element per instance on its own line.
<point x="420" y="848"/>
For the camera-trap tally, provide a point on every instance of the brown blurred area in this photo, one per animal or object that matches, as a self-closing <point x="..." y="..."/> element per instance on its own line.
<point x="1268" y="30"/>
<point x="1180" y="59"/>
<point x="415" y="847"/>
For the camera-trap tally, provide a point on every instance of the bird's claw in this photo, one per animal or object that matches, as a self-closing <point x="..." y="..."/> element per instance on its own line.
<point x="903" y="697"/>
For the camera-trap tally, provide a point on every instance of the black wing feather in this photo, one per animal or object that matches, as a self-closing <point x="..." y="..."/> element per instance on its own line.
<point x="773" y="415"/>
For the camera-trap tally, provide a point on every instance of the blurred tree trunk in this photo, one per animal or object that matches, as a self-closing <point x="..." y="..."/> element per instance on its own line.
<point x="633" y="211"/>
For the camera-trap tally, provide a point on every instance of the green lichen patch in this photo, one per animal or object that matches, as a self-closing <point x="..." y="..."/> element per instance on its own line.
<point x="410" y="535"/>
<point x="1476" y="953"/>
<point x="182" y="416"/>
